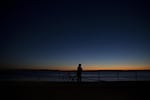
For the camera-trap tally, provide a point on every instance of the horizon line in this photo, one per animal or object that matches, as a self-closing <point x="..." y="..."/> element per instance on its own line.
<point x="76" y="70"/>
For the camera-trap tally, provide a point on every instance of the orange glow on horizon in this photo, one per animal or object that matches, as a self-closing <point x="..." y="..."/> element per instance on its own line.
<point x="101" y="67"/>
<point x="84" y="66"/>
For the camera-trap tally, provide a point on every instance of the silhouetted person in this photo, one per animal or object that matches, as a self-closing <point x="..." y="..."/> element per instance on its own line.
<point x="79" y="72"/>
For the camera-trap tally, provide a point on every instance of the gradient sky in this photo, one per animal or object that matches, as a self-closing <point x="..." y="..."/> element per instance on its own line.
<point x="98" y="34"/>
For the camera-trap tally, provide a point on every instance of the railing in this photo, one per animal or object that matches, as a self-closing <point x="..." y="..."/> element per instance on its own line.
<point x="68" y="76"/>
<point x="110" y="76"/>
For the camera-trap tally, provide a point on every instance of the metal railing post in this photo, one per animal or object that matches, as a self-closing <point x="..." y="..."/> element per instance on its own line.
<point x="118" y="75"/>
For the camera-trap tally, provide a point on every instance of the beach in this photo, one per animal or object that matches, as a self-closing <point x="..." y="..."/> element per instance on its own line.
<point x="129" y="90"/>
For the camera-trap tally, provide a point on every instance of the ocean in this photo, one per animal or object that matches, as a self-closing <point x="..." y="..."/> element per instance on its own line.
<point x="70" y="76"/>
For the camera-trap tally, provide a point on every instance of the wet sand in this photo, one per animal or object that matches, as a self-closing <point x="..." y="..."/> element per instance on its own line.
<point x="75" y="91"/>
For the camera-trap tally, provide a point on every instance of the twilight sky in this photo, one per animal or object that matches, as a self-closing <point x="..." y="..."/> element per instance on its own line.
<point x="61" y="34"/>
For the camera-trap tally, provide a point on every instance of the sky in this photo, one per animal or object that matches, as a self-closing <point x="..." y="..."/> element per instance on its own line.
<point x="103" y="34"/>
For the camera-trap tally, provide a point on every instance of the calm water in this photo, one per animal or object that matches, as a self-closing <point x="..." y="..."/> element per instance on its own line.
<point x="71" y="76"/>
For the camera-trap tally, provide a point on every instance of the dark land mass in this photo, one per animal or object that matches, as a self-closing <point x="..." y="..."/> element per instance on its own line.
<point x="126" y="90"/>
<point x="13" y="71"/>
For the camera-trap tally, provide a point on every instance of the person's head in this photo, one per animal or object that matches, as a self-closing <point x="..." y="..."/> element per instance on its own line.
<point x="79" y="65"/>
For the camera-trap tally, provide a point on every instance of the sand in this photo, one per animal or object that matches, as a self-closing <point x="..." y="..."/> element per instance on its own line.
<point x="75" y="91"/>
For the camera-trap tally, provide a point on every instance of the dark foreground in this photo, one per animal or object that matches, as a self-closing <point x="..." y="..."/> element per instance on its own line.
<point x="75" y="91"/>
